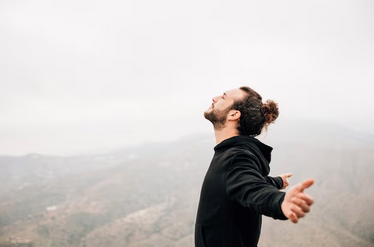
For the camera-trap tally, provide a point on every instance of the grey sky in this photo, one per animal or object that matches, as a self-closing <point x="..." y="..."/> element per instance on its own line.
<point x="79" y="76"/>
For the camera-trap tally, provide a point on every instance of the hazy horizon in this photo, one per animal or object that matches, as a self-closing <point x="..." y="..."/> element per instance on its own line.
<point x="83" y="76"/>
<point x="284" y="125"/>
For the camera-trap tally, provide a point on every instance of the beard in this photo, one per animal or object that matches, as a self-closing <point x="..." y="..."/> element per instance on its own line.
<point x="217" y="118"/>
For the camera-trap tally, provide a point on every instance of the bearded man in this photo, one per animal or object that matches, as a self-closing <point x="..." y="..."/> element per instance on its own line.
<point x="237" y="190"/>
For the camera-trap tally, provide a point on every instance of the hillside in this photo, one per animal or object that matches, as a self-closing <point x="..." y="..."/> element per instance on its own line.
<point x="147" y="195"/>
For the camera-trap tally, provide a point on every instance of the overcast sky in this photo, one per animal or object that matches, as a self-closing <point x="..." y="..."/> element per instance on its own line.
<point x="82" y="76"/>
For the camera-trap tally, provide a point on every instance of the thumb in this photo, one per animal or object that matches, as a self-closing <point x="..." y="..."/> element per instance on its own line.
<point x="287" y="175"/>
<point x="306" y="184"/>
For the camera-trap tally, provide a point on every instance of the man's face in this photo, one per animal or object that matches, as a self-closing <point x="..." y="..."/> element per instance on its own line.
<point x="220" y="108"/>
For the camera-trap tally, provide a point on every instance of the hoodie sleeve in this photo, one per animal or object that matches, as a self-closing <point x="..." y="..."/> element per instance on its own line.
<point x="277" y="182"/>
<point x="246" y="185"/>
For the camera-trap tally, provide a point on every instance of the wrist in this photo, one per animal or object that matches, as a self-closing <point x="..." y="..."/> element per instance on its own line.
<point x="284" y="207"/>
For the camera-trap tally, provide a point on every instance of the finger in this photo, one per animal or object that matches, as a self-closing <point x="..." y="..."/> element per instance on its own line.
<point x="304" y="207"/>
<point x="301" y="203"/>
<point x="306" y="184"/>
<point x="293" y="218"/>
<point x="306" y="198"/>
<point x="297" y="210"/>
<point x="285" y="185"/>
<point x="287" y="175"/>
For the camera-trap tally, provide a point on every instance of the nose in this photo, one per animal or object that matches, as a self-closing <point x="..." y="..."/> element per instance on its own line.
<point x="215" y="99"/>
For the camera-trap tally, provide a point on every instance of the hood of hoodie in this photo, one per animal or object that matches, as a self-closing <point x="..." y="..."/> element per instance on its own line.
<point x="259" y="149"/>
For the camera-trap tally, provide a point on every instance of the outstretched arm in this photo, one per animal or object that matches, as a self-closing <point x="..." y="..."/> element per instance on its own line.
<point x="246" y="185"/>
<point x="277" y="182"/>
<point x="280" y="182"/>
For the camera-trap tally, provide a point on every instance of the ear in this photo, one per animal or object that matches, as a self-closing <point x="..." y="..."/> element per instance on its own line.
<point x="233" y="115"/>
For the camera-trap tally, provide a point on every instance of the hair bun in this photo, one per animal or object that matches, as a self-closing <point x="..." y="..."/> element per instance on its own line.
<point x="270" y="111"/>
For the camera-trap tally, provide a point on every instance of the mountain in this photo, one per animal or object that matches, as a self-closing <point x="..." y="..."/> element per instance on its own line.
<point x="147" y="195"/>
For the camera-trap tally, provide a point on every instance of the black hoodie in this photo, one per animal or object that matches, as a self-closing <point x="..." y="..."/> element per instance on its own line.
<point x="235" y="193"/>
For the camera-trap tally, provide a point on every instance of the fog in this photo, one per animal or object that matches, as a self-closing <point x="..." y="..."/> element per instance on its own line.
<point x="89" y="76"/>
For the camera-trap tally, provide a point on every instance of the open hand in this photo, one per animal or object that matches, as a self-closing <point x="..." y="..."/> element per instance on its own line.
<point x="285" y="180"/>
<point x="296" y="203"/>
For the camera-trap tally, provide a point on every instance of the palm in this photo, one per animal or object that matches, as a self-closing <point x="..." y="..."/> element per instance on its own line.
<point x="296" y="202"/>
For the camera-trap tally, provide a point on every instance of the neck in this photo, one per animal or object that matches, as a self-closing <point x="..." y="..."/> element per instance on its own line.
<point x="224" y="134"/>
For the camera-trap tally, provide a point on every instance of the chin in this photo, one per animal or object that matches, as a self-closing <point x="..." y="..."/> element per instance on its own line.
<point x="207" y="112"/>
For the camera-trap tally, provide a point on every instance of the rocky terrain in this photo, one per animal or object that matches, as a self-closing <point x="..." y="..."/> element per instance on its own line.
<point x="147" y="195"/>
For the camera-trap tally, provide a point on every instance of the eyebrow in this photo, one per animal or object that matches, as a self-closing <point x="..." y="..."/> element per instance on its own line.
<point x="225" y="94"/>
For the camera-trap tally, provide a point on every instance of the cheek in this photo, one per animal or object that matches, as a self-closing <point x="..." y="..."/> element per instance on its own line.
<point x="220" y="104"/>
<point x="224" y="105"/>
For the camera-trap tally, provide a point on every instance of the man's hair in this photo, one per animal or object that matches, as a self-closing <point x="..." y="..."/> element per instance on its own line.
<point x="254" y="114"/>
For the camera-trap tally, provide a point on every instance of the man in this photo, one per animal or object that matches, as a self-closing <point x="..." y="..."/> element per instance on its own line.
<point x="237" y="190"/>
